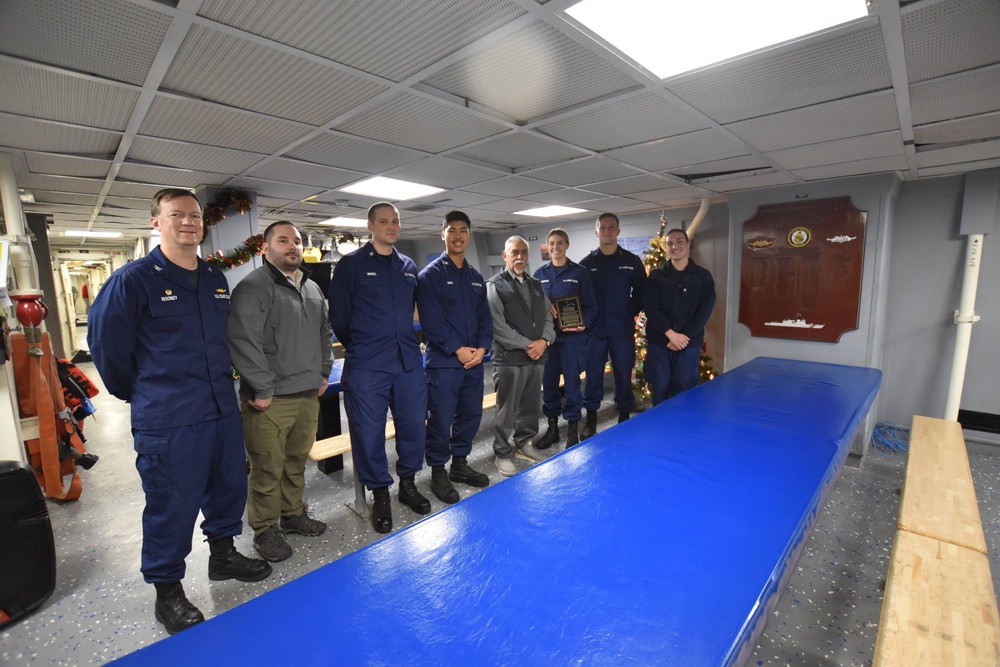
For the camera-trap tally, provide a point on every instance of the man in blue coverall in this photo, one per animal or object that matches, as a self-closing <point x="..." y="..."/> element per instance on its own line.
<point x="562" y="277"/>
<point x="619" y="278"/>
<point x="455" y="318"/>
<point x="372" y="297"/>
<point x="157" y="332"/>
<point x="679" y="299"/>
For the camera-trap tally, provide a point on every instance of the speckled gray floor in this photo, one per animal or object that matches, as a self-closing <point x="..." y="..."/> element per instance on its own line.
<point x="101" y="609"/>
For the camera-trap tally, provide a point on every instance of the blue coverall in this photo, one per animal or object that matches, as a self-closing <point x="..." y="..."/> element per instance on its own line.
<point x="371" y="310"/>
<point x="161" y="345"/>
<point x="618" y="280"/>
<point x="454" y="313"/>
<point x="567" y="355"/>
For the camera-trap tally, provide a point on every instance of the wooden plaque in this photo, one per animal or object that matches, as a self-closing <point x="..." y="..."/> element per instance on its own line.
<point x="801" y="271"/>
<point x="569" y="312"/>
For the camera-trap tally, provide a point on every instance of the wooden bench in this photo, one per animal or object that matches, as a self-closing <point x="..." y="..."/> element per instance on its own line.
<point x="341" y="444"/>
<point x="940" y="607"/>
<point x="939" y="499"/>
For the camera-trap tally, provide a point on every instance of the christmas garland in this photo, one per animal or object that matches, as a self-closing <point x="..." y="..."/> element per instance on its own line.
<point x="241" y="255"/>
<point x="225" y="200"/>
<point x="229" y="200"/>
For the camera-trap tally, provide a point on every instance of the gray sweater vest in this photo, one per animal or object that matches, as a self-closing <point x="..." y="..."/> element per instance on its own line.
<point x="528" y="322"/>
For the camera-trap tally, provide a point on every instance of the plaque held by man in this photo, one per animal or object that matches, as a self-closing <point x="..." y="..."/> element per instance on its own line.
<point x="569" y="312"/>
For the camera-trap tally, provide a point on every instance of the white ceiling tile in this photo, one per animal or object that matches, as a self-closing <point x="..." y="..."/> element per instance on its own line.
<point x="355" y="33"/>
<point x="42" y="93"/>
<point x="191" y="156"/>
<point x="581" y="172"/>
<point x="630" y="184"/>
<point x="48" y="136"/>
<point x="444" y="172"/>
<point x="971" y="152"/>
<point x="534" y="71"/>
<point x="873" y="166"/>
<point x="110" y="38"/>
<point x="339" y="150"/>
<point x="306" y="173"/>
<point x="66" y="165"/>
<point x="962" y="129"/>
<point x="966" y="94"/>
<point x="171" y="118"/>
<point x="950" y="36"/>
<point x="510" y="186"/>
<point x="680" y="151"/>
<point x="224" y="68"/>
<point x="850" y="62"/>
<point x="852" y="117"/>
<point x="632" y="120"/>
<point x="417" y="122"/>
<point x="521" y="150"/>
<point x="842" y="150"/>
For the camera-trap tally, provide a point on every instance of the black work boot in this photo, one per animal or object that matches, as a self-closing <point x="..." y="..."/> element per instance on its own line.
<point x="173" y="608"/>
<point x="463" y="474"/>
<point x="441" y="486"/>
<point x="551" y="435"/>
<point x="409" y="496"/>
<point x="590" y="425"/>
<point x="623" y="416"/>
<point x="381" y="511"/>
<point x="228" y="563"/>
<point x="572" y="437"/>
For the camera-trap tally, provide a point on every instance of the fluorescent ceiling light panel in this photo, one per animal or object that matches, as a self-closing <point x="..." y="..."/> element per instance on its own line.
<point x="550" y="211"/>
<point x="96" y="235"/>
<point x="391" y="189"/>
<point x="669" y="37"/>
<point x="344" y="222"/>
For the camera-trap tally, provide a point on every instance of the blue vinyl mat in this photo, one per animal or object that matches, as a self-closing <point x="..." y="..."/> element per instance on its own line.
<point x="664" y="540"/>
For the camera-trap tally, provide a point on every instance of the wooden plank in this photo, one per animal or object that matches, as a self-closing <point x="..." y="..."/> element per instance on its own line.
<point x="939" y="499"/>
<point x="939" y="608"/>
<point x="341" y="444"/>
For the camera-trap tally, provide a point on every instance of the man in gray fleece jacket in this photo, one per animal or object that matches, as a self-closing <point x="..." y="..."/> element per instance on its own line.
<point x="280" y="342"/>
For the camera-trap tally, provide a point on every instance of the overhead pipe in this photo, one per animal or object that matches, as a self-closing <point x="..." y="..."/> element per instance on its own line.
<point x="965" y="317"/>
<point x="698" y="217"/>
<point x="22" y="256"/>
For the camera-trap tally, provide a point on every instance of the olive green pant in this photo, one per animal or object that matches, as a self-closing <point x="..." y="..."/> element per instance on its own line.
<point x="278" y="441"/>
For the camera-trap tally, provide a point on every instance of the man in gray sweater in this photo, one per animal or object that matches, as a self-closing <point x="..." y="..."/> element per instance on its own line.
<point x="280" y="342"/>
<point x="522" y="332"/>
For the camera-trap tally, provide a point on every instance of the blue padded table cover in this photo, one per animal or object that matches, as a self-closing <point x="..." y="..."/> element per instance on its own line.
<point x="333" y="382"/>
<point x="664" y="540"/>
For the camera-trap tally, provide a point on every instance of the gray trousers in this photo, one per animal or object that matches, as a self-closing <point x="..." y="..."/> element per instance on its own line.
<point x="519" y="407"/>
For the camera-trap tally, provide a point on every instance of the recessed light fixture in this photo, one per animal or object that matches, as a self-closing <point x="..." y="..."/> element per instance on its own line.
<point x="93" y="234"/>
<point x="669" y="38"/>
<point x="391" y="189"/>
<point x="550" y="211"/>
<point x="343" y="222"/>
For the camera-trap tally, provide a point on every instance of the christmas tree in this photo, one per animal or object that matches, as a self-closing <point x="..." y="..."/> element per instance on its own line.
<point x="654" y="257"/>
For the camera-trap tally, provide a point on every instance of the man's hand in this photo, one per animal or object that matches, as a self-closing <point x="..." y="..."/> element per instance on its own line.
<point x="477" y="358"/>
<point x="322" y="387"/>
<point x="678" y="340"/>
<point x="259" y="404"/>
<point x="465" y="355"/>
<point x="537" y="348"/>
